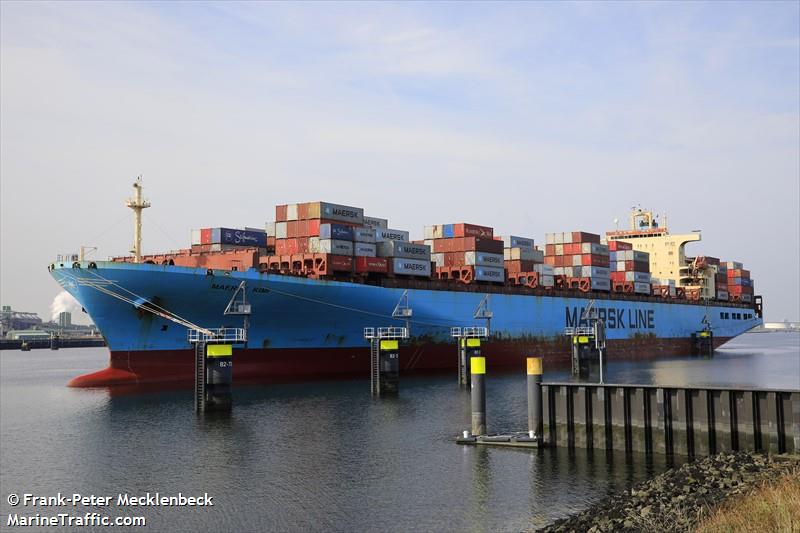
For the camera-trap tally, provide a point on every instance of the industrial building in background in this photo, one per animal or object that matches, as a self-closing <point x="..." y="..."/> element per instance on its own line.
<point x="24" y="325"/>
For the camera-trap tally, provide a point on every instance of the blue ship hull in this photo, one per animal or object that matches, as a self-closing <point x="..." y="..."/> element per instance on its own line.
<point x="302" y="326"/>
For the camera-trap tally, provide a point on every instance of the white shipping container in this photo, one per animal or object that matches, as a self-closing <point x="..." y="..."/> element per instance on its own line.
<point x="428" y="232"/>
<point x="404" y="249"/>
<point x="546" y="280"/>
<point x="313" y="245"/>
<point x="270" y="227"/>
<point x="196" y="237"/>
<point x="438" y="259"/>
<point x="641" y="288"/>
<point x="558" y="271"/>
<point x="483" y="259"/>
<point x="620" y="266"/>
<point x="280" y="230"/>
<point x="546" y="270"/>
<point x="411" y="267"/>
<point x="513" y="241"/>
<point x="594" y="272"/>
<point x="331" y="246"/>
<point x="291" y="212"/>
<point x="484" y="273"/>
<point x="559" y="249"/>
<point x="734" y="265"/>
<point x="566" y="237"/>
<point x="363" y="249"/>
<point x="550" y="238"/>
<point x="375" y="223"/>
<point x="384" y="234"/>
<point x="576" y="261"/>
<point x="364" y="235"/>
<point x="558" y="238"/>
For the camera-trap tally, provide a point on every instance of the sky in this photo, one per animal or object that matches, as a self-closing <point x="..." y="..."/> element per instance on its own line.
<point x="527" y="117"/>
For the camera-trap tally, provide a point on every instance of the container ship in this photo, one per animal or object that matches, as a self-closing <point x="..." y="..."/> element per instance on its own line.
<point x="308" y="284"/>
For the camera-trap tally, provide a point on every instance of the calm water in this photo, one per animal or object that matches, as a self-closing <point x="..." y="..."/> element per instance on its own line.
<point x="324" y="456"/>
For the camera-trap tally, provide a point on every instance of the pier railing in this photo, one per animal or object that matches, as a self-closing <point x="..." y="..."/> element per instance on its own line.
<point x="670" y="420"/>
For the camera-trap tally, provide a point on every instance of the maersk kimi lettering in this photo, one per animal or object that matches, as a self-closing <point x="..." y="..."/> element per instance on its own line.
<point x="392" y="236"/>
<point x="614" y="318"/>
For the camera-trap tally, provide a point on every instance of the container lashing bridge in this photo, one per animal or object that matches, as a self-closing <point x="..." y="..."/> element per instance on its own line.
<point x="587" y="343"/>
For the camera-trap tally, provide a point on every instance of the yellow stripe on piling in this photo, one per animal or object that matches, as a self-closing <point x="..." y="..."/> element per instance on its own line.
<point x="581" y="340"/>
<point x="705" y="334"/>
<point x="477" y="365"/>
<point x="471" y="343"/>
<point x="534" y="366"/>
<point x="390" y="345"/>
<point x="219" y="350"/>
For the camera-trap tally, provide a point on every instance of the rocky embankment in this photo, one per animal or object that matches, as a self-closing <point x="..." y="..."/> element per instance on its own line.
<point x="678" y="499"/>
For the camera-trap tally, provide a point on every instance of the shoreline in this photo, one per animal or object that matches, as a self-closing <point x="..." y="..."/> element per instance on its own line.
<point x="681" y="498"/>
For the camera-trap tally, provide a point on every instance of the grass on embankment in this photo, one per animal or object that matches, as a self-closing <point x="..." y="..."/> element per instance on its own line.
<point x="773" y="506"/>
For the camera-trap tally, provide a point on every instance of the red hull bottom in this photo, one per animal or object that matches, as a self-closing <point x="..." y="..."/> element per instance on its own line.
<point x="177" y="366"/>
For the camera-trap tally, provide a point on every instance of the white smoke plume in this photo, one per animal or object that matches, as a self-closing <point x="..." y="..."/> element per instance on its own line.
<point x="64" y="302"/>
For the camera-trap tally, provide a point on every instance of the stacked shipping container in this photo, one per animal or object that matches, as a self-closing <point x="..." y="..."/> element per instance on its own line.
<point x="578" y="260"/>
<point x="740" y="286"/>
<point x="630" y="269"/>
<point x="524" y="263"/>
<point x="466" y="252"/>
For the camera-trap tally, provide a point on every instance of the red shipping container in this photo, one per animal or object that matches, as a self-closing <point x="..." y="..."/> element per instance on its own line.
<point x="617" y="276"/>
<point x="441" y="246"/>
<point x="582" y="236"/>
<point x="744" y="274"/>
<point x="271" y="241"/>
<point x="205" y="236"/>
<point x="637" y="266"/>
<point x="518" y="265"/>
<point x="302" y="245"/>
<point x="453" y="259"/>
<point x="739" y="289"/>
<point x="291" y="229"/>
<point x="472" y="230"/>
<point x="550" y="259"/>
<point x="614" y="246"/>
<point x="302" y="228"/>
<point x="498" y="237"/>
<point x="549" y="249"/>
<point x="594" y="260"/>
<point x="302" y="211"/>
<point x="340" y="263"/>
<point x="312" y="227"/>
<point x="280" y="213"/>
<point x="372" y="264"/>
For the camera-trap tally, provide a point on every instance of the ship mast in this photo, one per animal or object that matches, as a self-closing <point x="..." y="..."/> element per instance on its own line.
<point x="137" y="203"/>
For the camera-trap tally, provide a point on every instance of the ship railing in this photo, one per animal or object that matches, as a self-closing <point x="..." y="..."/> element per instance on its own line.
<point x="469" y="331"/>
<point x="233" y="335"/>
<point x="578" y="331"/>
<point x="392" y="332"/>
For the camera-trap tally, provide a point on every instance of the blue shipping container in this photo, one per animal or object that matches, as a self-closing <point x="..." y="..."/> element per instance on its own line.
<point x="239" y="237"/>
<point x="339" y="232"/>
<point x="448" y="231"/>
